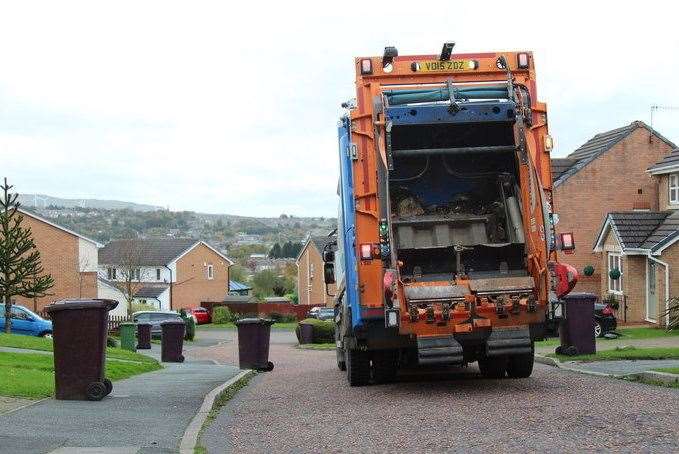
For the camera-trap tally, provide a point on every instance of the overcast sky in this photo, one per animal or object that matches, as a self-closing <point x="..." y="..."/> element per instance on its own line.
<point x="232" y="107"/>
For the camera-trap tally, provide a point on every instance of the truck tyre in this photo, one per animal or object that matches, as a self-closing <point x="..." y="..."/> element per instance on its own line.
<point x="358" y="367"/>
<point x="384" y="366"/>
<point x="520" y="366"/>
<point x="341" y="363"/>
<point x="494" y="367"/>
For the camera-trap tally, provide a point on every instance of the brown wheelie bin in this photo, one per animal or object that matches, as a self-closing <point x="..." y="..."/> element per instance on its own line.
<point x="253" y="344"/>
<point x="80" y="328"/>
<point x="143" y="336"/>
<point x="172" y="341"/>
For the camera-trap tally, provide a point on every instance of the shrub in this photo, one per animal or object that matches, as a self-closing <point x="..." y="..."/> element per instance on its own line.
<point x="190" y="332"/>
<point x="222" y="314"/>
<point x="111" y="342"/>
<point x="323" y="330"/>
<point x="282" y="318"/>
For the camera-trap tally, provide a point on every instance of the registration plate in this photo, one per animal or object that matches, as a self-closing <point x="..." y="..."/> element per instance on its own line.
<point x="448" y="65"/>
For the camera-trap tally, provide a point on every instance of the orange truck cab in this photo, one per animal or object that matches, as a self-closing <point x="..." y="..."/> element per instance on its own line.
<point x="446" y="247"/>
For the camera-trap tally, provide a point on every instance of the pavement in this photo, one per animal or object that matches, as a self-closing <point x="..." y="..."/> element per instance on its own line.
<point x="611" y="344"/>
<point x="147" y="413"/>
<point x="306" y="405"/>
<point x="620" y="368"/>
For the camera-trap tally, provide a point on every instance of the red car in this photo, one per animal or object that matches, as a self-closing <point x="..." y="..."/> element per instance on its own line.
<point x="200" y="315"/>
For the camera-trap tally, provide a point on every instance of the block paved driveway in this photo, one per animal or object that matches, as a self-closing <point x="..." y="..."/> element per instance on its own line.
<point x="305" y="405"/>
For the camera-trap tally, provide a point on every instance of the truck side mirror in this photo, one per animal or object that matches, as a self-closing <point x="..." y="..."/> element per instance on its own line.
<point x="328" y="256"/>
<point x="329" y="273"/>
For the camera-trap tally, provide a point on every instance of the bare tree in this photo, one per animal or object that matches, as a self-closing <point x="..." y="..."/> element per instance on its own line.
<point x="129" y="270"/>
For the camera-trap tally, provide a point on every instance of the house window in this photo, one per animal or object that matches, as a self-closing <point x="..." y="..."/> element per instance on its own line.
<point x="614" y="261"/>
<point x="311" y="271"/>
<point x="157" y="274"/>
<point x="210" y="272"/>
<point x="136" y="273"/>
<point x="674" y="188"/>
<point x="111" y="274"/>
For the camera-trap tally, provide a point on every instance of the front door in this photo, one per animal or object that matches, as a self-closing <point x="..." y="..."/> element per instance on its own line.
<point x="651" y="294"/>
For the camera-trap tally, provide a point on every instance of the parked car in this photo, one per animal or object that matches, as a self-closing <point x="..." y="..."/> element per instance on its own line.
<point x="326" y="313"/>
<point x="25" y="321"/>
<point x="200" y="315"/>
<point x="155" y="318"/>
<point x="313" y="312"/>
<point x="604" y="321"/>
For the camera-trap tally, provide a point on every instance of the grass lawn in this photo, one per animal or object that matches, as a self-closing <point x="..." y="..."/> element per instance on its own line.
<point x="288" y="326"/>
<point x="32" y="374"/>
<point x="624" y="353"/>
<point x="330" y="346"/>
<point x="669" y="370"/>
<point x="45" y="344"/>
<point x="646" y="333"/>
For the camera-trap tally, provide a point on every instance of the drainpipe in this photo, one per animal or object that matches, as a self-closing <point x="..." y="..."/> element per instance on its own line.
<point x="171" y="279"/>
<point x="667" y="288"/>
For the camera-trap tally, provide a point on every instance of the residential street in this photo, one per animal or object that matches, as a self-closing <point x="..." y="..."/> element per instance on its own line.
<point x="305" y="405"/>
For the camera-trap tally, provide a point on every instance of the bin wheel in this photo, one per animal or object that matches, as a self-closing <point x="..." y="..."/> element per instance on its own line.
<point x="269" y="367"/>
<point x="180" y="358"/>
<point x="95" y="391"/>
<point x="109" y="386"/>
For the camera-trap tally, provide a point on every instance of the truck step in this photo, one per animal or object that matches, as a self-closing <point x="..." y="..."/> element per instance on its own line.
<point x="438" y="350"/>
<point x="509" y="341"/>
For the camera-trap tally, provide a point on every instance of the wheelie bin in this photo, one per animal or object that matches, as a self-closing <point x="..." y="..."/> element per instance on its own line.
<point x="576" y="330"/>
<point x="80" y="328"/>
<point x="306" y="333"/>
<point x="143" y="336"/>
<point x="172" y="341"/>
<point x="127" y="336"/>
<point x="253" y="343"/>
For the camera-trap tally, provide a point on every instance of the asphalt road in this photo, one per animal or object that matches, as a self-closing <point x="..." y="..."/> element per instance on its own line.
<point x="305" y="405"/>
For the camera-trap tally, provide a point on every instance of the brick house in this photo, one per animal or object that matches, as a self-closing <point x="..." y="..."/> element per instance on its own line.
<point x="310" y="282"/>
<point x="168" y="273"/>
<point x="644" y="247"/>
<point x="69" y="257"/>
<point x="606" y="174"/>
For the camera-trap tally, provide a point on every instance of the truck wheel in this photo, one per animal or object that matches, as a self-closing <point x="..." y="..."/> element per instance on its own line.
<point x="520" y="366"/>
<point x="493" y="367"/>
<point x="341" y="363"/>
<point x="384" y="366"/>
<point x="358" y="367"/>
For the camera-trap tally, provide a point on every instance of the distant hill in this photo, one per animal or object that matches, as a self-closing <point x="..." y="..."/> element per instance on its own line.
<point x="43" y="201"/>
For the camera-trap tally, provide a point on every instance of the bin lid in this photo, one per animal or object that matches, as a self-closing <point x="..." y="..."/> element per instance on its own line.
<point x="580" y="296"/>
<point x="65" y="305"/>
<point x="254" y="321"/>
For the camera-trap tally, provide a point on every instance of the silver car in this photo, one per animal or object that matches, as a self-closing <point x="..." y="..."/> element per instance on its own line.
<point x="155" y="318"/>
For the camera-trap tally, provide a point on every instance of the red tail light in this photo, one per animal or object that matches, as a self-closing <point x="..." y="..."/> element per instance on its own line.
<point x="608" y="310"/>
<point x="567" y="243"/>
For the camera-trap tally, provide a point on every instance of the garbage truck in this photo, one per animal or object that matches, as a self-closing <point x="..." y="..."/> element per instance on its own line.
<point x="446" y="249"/>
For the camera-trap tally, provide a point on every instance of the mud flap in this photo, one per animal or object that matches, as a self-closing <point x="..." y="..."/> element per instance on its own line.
<point x="509" y="341"/>
<point x="438" y="350"/>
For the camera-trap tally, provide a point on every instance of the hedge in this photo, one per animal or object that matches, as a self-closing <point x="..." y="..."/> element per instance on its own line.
<point x="323" y="330"/>
<point x="222" y="314"/>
